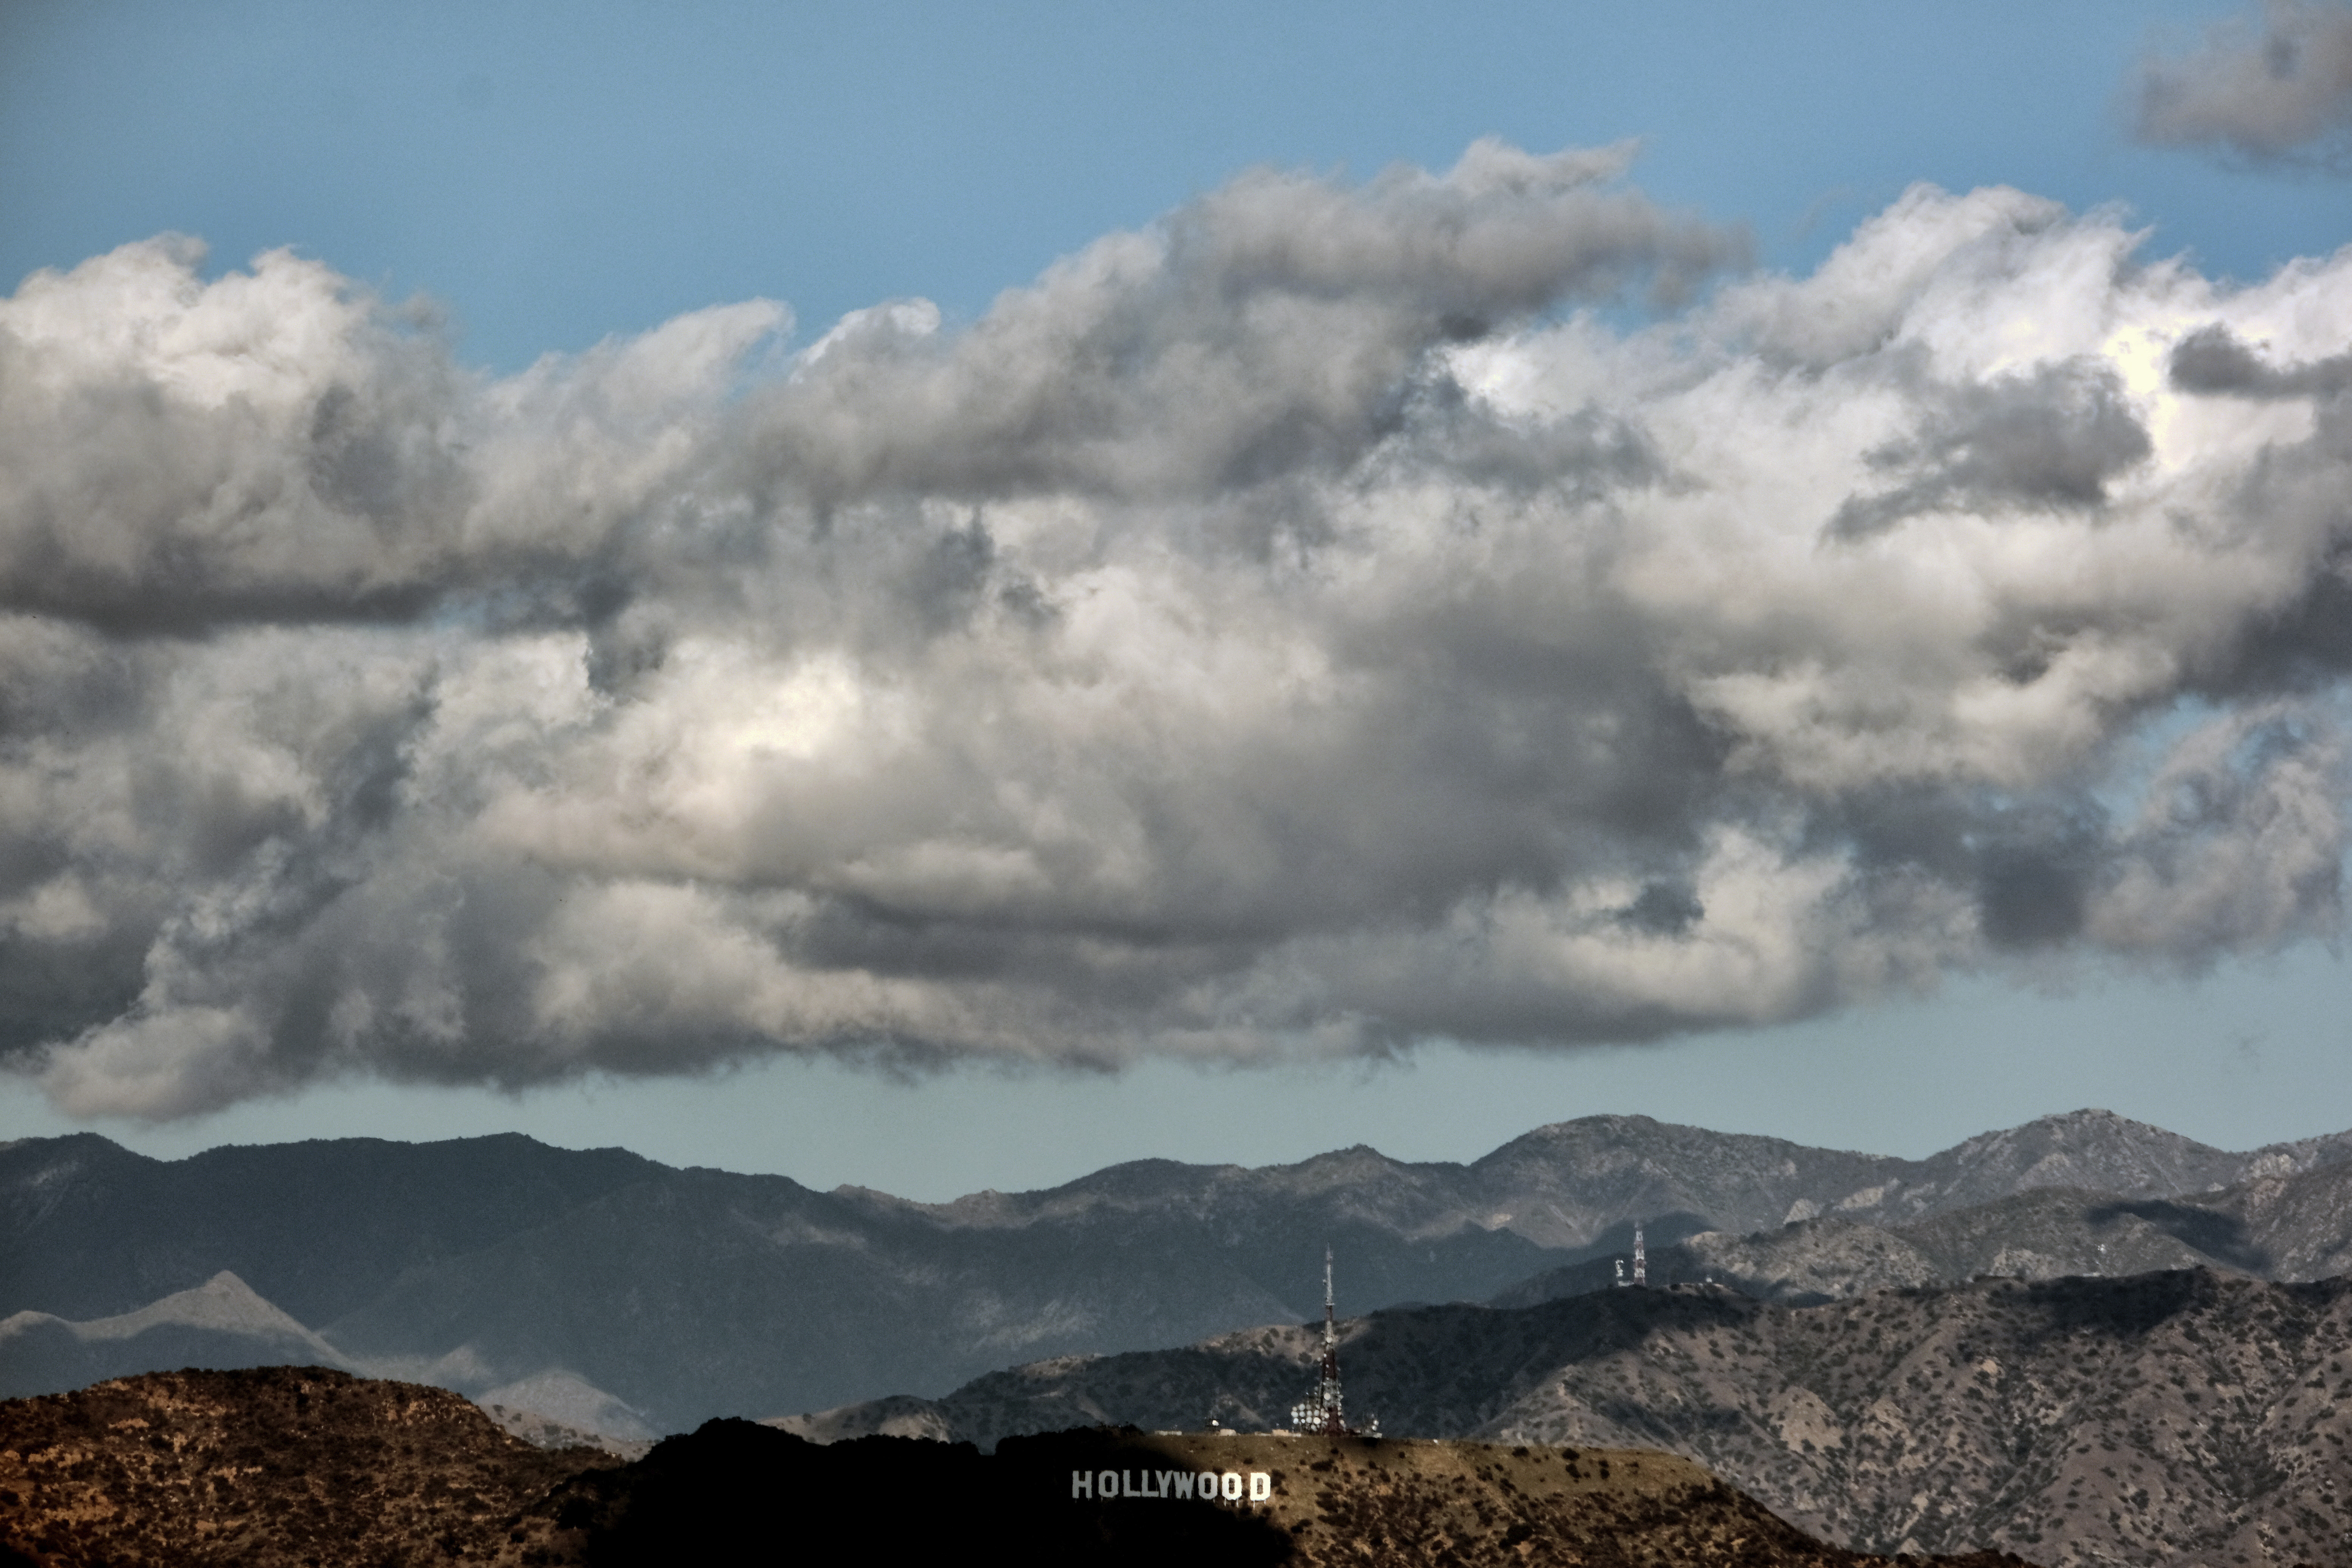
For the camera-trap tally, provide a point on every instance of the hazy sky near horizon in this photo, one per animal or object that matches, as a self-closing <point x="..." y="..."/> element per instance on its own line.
<point x="936" y="596"/>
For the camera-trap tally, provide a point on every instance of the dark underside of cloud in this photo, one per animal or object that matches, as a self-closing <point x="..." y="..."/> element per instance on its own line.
<point x="2276" y="88"/>
<point x="1301" y="627"/>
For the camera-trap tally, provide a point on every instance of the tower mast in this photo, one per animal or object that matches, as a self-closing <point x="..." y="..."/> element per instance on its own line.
<point x="1332" y="1422"/>
<point x="1328" y="1338"/>
<point x="1321" y="1410"/>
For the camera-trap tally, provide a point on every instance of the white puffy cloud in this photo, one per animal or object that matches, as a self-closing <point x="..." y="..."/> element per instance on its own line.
<point x="1299" y="627"/>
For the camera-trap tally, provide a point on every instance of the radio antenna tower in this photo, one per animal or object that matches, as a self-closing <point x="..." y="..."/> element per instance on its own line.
<point x="1321" y="1411"/>
<point x="1641" y="1260"/>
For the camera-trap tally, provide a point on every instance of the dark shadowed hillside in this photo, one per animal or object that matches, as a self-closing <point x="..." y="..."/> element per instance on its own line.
<point x="316" y="1228"/>
<point x="286" y="1466"/>
<point x="1329" y="1502"/>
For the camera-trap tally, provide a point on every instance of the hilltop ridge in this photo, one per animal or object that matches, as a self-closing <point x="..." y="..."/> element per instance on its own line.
<point x="298" y="1466"/>
<point x="648" y="1298"/>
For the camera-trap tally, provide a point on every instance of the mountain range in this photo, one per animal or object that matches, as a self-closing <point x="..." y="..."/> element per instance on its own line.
<point x="617" y="1295"/>
<point x="2177" y="1417"/>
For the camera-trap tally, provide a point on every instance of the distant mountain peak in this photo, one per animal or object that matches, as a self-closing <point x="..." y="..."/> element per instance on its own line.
<point x="2096" y="1119"/>
<point x="223" y="1302"/>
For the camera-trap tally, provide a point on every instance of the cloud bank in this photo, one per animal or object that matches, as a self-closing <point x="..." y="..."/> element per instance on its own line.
<point x="1305" y="627"/>
<point x="2279" y="91"/>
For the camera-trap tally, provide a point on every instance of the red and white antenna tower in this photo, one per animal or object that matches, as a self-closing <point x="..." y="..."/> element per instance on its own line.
<point x="1641" y="1261"/>
<point x="1321" y="1411"/>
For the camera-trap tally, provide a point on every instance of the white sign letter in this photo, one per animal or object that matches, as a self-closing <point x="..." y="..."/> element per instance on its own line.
<point x="1261" y="1486"/>
<point x="1232" y="1486"/>
<point x="1184" y="1484"/>
<point x="1082" y="1483"/>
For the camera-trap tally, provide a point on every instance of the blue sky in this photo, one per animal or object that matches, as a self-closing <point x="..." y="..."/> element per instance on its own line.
<point x="554" y="178"/>
<point x="557" y="175"/>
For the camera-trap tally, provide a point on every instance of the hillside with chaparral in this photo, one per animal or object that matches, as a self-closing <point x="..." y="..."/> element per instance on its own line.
<point x="2083" y="1340"/>
<point x="292" y="1467"/>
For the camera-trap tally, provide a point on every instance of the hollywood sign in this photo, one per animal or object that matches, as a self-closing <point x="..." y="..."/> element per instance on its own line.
<point x="1209" y="1485"/>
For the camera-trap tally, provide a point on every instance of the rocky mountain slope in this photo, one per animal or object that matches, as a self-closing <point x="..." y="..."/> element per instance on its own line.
<point x="2295" y="1225"/>
<point x="660" y="1297"/>
<point x="2042" y="1235"/>
<point x="288" y="1467"/>
<point x="2289" y="1227"/>
<point x="281" y="1468"/>
<point x="2168" y="1418"/>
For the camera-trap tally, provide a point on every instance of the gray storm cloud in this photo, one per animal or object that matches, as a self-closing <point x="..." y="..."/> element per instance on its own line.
<point x="1302" y="627"/>
<point x="2280" y="89"/>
